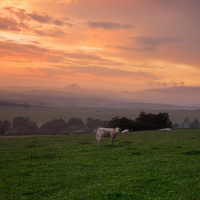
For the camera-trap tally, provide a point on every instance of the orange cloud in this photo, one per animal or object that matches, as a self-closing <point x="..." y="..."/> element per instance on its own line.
<point x="18" y="20"/>
<point x="118" y="44"/>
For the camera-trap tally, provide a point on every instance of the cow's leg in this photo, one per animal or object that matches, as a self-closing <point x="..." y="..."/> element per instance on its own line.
<point x="111" y="140"/>
<point x="99" y="140"/>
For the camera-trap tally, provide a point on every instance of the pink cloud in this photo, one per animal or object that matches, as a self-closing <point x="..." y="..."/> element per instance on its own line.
<point x="109" y="25"/>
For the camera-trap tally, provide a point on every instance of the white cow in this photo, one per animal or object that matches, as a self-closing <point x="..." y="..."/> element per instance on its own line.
<point x="165" y="129"/>
<point x="125" y="131"/>
<point x="106" y="132"/>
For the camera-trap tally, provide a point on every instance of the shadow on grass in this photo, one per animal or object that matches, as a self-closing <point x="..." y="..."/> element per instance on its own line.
<point x="136" y="153"/>
<point x="126" y="142"/>
<point x="45" y="156"/>
<point x="33" y="146"/>
<point x="115" y="195"/>
<point x="113" y="146"/>
<point x="155" y="147"/>
<point x="193" y="152"/>
<point x="86" y="142"/>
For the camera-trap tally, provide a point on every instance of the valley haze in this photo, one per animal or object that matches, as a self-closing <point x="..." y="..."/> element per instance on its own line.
<point x="170" y="98"/>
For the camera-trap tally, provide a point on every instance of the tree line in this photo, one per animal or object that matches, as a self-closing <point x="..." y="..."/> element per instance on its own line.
<point x="24" y="126"/>
<point x="186" y="123"/>
<point x="143" y="122"/>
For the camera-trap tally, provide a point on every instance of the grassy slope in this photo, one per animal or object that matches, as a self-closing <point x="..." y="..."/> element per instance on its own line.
<point x="42" y="115"/>
<point x="140" y="165"/>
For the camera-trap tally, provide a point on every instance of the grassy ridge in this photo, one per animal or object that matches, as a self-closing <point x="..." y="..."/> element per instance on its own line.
<point x="42" y="114"/>
<point x="140" y="165"/>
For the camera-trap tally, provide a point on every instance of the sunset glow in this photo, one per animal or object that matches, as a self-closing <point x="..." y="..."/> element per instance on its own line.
<point x="126" y="45"/>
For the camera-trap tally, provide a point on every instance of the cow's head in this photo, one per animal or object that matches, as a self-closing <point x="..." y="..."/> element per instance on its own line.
<point x="117" y="130"/>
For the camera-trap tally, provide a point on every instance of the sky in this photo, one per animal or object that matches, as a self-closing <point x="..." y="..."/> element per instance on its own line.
<point x="113" y="45"/>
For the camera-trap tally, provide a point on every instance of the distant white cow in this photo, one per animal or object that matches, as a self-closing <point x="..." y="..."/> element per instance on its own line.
<point x="125" y="131"/>
<point x="165" y="129"/>
<point x="106" y="132"/>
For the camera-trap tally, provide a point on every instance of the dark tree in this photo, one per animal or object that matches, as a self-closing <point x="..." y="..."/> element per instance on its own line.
<point x="195" y="124"/>
<point x="151" y="121"/>
<point x="23" y="126"/>
<point x="89" y="122"/>
<point x="114" y="122"/>
<point x="100" y="123"/>
<point x="143" y="122"/>
<point x="56" y="126"/>
<point x="95" y="123"/>
<point x="123" y="123"/>
<point x="7" y="125"/>
<point x="2" y="131"/>
<point x="75" y="122"/>
<point x="186" y="119"/>
<point x="4" y="127"/>
<point x="176" y="125"/>
<point x="162" y="120"/>
<point x="20" y="122"/>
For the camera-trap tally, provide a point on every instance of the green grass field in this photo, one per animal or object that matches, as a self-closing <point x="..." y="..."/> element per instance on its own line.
<point x="140" y="165"/>
<point x="42" y="115"/>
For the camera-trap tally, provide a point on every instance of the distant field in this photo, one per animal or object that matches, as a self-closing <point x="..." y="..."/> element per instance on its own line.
<point x="140" y="165"/>
<point x="42" y="115"/>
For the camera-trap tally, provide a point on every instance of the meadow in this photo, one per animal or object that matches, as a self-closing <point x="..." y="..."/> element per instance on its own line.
<point x="41" y="115"/>
<point x="139" y="165"/>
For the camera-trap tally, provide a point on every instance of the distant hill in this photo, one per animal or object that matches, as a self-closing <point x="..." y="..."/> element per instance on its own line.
<point x="4" y="103"/>
<point x="58" y="99"/>
<point x="180" y="96"/>
<point x="162" y="98"/>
